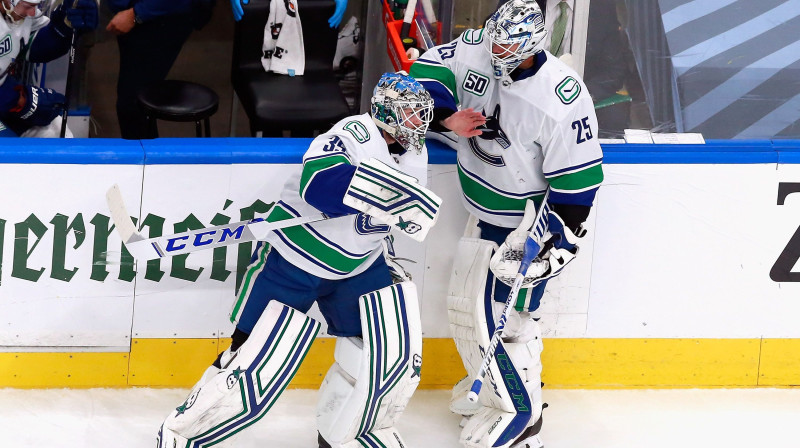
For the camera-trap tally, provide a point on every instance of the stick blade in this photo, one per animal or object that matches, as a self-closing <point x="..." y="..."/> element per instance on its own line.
<point x="120" y="216"/>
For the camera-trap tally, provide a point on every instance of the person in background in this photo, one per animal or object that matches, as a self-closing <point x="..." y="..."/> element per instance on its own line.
<point x="150" y="35"/>
<point x="334" y="21"/>
<point x="27" y="35"/>
<point x="558" y="17"/>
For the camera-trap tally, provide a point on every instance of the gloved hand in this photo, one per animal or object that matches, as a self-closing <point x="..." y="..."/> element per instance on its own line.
<point x="561" y="248"/>
<point x="6" y="132"/>
<point x="507" y="259"/>
<point x="78" y="15"/>
<point x="238" y="11"/>
<point x="336" y="18"/>
<point x="41" y="106"/>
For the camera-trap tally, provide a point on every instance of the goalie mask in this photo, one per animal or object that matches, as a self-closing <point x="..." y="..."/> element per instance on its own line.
<point x="402" y="108"/>
<point x="516" y="32"/>
<point x="17" y="10"/>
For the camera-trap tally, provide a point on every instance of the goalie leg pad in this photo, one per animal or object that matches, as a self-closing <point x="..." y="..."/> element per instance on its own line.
<point x="393" y="198"/>
<point x="239" y="394"/>
<point x="511" y="397"/>
<point x="366" y="390"/>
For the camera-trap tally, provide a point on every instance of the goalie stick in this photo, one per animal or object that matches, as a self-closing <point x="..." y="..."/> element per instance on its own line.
<point x="530" y="251"/>
<point x="193" y="240"/>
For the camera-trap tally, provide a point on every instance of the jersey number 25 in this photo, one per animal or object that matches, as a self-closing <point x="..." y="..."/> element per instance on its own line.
<point x="583" y="129"/>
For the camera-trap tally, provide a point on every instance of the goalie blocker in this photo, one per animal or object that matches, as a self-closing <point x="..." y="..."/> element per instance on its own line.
<point x="393" y="198"/>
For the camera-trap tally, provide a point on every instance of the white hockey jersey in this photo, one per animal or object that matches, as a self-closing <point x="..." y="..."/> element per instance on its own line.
<point x="540" y="130"/>
<point x="13" y="36"/>
<point x="346" y="246"/>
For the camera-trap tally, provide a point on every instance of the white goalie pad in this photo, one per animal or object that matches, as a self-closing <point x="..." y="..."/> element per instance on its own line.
<point x="369" y="386"/>
<point x="504" y="408"/>
<point x="223" y="404"/>
<point x="394" y="198"/>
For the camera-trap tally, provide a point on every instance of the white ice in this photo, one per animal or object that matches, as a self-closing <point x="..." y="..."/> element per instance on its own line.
<point x="708" y="418"/>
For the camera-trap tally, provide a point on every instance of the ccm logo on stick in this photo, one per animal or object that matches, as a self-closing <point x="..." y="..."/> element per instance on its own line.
<point x="204" y="238"/>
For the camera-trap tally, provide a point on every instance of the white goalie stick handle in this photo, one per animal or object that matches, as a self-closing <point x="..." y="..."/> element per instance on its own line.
<point x="529" y="253"/>
<point x="192" y="240"/>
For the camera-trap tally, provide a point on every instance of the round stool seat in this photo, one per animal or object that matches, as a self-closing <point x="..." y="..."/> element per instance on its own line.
<point x="174" y="100"/>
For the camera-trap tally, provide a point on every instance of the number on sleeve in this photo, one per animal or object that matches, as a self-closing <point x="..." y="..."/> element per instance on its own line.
<point x="583" y="129"/>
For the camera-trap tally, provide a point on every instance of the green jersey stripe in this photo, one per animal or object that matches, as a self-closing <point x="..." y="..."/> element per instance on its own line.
<point x="252" y="272"/>
<point x="312" y="247"/>
<point x="491" y="199"/>
<point x="440" y="73"/>
<point x="312" y="167"/>
<point x="578" y="181"/>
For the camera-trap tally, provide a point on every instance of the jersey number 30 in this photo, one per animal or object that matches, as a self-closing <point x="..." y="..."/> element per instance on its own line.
<point x="583" y="129"/>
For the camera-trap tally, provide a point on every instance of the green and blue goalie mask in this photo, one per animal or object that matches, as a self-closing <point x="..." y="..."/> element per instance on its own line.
<point x="516" y="32"/>
<point x="402" y="108"/>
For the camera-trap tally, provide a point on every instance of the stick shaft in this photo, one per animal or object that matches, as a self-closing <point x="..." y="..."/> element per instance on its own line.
<point x="68" y="85"/>
<point x="193" y="240"/>
<point x="530" y="251"/>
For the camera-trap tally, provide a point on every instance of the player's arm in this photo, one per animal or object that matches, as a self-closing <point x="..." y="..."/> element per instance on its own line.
<point x="147" y="10"/>
<point x="23" y="106"/>
<point x="573" y="163"/>
<point x="51" y="39"/>
<point x="435" y="70"/>
<point x="327" y="172"/>
<point x="573" y="168"/>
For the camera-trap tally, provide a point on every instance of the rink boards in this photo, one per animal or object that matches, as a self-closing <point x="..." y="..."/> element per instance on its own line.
<point x="690" y="278"/>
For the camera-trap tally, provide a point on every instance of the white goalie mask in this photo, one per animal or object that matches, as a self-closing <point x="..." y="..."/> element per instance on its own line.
<point x="515" y="32"/>
<point x="403" y="108"/>
<point x="17" y="10"/>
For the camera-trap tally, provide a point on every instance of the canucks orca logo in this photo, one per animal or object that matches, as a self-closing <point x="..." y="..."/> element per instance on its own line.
<point x="491" y="131"/>
<point x="5" y="45"/>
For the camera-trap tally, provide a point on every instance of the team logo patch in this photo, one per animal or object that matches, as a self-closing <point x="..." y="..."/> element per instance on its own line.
<point x="188" y="404"/>
<point x="5" y="45"/>
<point x="568" y="90"/>
<point x="475" y="83"/>
<point x="358" y="130"/>
<point x="472" y="37"/>
<point x="416" y="366"/>
<point x="409" y="227"/>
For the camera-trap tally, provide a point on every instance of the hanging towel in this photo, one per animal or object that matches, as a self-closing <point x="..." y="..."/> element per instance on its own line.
<point x="283" y="40"/>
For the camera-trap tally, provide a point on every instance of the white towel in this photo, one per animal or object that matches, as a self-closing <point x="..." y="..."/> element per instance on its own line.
<point x="283" y="40"/>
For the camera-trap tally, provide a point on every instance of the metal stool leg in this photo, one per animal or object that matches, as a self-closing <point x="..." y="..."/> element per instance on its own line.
<point x="198" y="130"/>
<point x="151" y="129"/>
<point x="208" y="126"/>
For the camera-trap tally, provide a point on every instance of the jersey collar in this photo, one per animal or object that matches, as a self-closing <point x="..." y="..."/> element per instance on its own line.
<point x="539" y="59"/>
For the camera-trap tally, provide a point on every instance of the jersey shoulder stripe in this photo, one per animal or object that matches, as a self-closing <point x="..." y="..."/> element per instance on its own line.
<point x="314" y="165"/>
<point x="435" y="72"/>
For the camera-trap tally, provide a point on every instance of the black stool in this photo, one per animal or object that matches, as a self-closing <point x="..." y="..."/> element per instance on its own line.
<point x="173" y="100"/>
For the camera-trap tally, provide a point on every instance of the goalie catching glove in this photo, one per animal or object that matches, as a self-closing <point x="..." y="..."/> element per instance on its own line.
<point x="393" y="197"/>
<point x="559" y="247"/>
